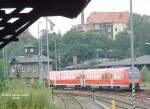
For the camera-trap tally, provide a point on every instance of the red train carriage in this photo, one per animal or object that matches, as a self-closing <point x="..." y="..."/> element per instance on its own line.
<point x="66" y="78"/>
<point x="111" y="77"/>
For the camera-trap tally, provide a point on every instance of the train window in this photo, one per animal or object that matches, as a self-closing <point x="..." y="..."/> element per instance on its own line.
<point x="117" y="76"/>
<point x="96" y="76"/>
<point x="106" y="76"/>
<point x="103" y="76"/>
<point x="99" y="76"/>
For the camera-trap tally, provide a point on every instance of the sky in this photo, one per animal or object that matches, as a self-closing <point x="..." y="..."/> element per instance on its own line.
<point x="63" y="24"/>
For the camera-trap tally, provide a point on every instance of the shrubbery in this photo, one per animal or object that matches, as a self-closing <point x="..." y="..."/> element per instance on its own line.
<point x="37" y="99"/>
<point x="145" y="74"/>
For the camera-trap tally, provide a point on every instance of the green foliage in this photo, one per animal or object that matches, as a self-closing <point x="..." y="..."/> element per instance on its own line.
<point x="145" y="74"/>
<point x="3" y="80"/>
<point x="37" y="99"/>
<point x="37" y="84"/>
<point x="2" y="75"/>
<point x="83" y="44"/>
<point x="17" y="48"/>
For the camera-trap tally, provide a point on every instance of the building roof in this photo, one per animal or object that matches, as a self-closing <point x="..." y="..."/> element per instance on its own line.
<point x="31" y="59"/>
<point x="138" y="61"/>
<point x="142" y="60"/>
<point x="101" y="17"/>
<point x="29" y="45"/>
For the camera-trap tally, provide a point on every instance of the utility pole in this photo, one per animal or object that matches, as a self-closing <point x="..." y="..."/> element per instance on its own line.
<point x="39" y="51"/>
<point x="6" y="62"/>
<point x="55" y="55"/>
<point x="47" y="45"/>
<point x="97" y="58"/>
<point x="132" y="55"/>
<point x="59" y="62"/>
<point x="83" y="22"/>
<point x="51" y="29"/>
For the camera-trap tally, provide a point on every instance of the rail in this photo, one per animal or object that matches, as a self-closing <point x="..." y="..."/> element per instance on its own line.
<point x="65" y="104"/>
<point x="104" y="99"/>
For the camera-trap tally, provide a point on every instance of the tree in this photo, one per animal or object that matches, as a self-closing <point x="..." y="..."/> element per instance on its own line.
<point x="121" y="45"/>
<point x="145" y="74"/>
<point x="2" y="76"/>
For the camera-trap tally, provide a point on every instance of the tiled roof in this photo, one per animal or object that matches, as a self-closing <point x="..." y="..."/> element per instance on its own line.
<point x="116" y="17"/>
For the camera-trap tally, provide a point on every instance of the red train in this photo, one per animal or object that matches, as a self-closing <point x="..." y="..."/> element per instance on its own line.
<point x="88" y="78"/>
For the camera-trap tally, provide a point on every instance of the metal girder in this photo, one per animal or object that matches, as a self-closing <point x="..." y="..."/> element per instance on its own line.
<point x="10" y="30"/>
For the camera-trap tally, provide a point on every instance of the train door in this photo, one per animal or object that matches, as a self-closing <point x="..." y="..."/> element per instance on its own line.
<point x="108" y="78"/>
<point x="82" y="80"/>
<point x="111" y="79"/>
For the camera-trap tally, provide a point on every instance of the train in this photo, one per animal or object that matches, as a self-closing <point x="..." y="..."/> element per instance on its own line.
<point x="115" y="78"/>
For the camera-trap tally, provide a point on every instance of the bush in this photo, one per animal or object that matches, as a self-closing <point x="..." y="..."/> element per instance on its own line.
<point x="3" y="85"/>
<point x="145" y="74"/>
<point x="37" y="99"/>
<point x="37" y="84"/>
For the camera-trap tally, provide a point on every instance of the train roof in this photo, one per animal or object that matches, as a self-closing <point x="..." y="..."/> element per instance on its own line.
<point x="84" y="70"/>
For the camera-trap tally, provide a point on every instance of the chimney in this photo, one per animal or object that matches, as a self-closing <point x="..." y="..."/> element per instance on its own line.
<point x="83" y="25"/>
<point x="75" y="60"/>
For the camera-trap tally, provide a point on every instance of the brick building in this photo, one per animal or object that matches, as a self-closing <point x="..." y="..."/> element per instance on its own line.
<point x="110" y="23"/>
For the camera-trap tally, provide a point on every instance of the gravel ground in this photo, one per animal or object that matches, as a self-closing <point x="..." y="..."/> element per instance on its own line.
<point x="88" y="103"/>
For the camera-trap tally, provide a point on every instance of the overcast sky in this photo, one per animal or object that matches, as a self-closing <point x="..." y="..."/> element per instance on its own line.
<point x="63" y="24"/>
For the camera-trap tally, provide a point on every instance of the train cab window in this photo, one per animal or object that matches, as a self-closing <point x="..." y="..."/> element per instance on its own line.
<point x="130" y="73"/>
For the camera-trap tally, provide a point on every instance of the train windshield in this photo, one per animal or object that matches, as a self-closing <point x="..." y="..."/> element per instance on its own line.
<point x="136" y="71"/>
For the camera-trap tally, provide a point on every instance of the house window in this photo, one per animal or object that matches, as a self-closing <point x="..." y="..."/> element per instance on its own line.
<point x="26" y="50"/>
<point x="115" y="29"/>
<point x="109" y="29"/>
<point x="31" y="50"/>
<point x="97" y="26"/>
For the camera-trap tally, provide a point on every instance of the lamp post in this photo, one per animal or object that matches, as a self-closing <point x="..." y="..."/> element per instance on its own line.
<point x="47" y="44"/>
<point x="132" y="55"/>
<point x="147" y="43"/>
<point x="97" y="51"/>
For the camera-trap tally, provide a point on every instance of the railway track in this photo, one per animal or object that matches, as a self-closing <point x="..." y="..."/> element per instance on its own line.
<point x="124" y="103"/>
<point x="70" y="102"/>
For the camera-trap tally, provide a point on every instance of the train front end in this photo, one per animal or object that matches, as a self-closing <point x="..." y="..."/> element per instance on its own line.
<point x="134" y="76"/>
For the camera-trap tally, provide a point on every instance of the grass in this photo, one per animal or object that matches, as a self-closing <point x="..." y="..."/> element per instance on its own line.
<point x="26" y="98"/>
<point x="146" y="85"/>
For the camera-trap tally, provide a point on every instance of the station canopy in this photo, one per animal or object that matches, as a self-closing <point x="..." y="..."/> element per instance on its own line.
<point x="17" y="15"/>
